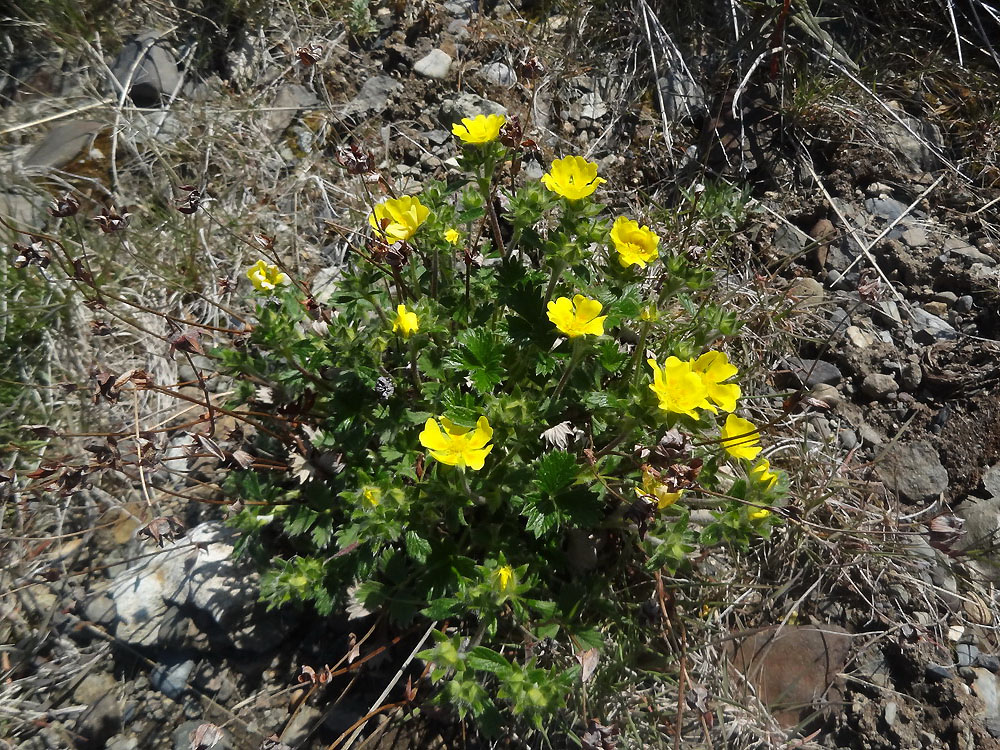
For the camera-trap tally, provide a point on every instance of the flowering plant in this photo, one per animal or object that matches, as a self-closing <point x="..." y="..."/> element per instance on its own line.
<point x="471" y="403"/>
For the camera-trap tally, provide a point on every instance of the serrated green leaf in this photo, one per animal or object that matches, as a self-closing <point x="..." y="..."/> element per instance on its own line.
<point x="556" y="471"/>
<point x="440" y="609"/>
<point x="417" y="547"/>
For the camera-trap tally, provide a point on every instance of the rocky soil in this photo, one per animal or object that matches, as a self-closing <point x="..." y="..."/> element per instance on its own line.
<point x="871" y="216"/>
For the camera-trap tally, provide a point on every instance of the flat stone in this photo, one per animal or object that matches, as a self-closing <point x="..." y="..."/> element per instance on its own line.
<point x="435" y="64"/>
<point x="151" y="600"/>
<point x="914" y="470"/>
<point x="170" y="677"/>
<point x="63" y="143"/>
<point x="373" y="96"/>
<point x="915" y="140"/>
<point x="986" y="687"/>
<point x="886" y="312"/>
<point x="286" y="104"/>
<point x="885" y="207"/>
<point x="915" y="237"/>
<point x="858" y="338"/>
<point x="794" y="668"/>
<point x="790" y="241"/>
<point x="967" y="253"/>
<point x="812" y="372"/>
<point x="454" y="108"/>
<point x="808" y="290"/>
<point x="826" y="393"/>
<point x="683" y="99"/>
<point x="498" y="74"/>
<point x="878" y="386"/>
<point x="991" y="480"/>
<point x="100" y="721"/>
<point x="935" y="308"/>
<point x="928" y="328"/>
<point x="154" y="77"/>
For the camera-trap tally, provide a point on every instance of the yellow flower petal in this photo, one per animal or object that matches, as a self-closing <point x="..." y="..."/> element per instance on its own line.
<point x="713" y="368"/>
<point x="635" y="245"/>
<point x="397" y="219"/>
<point x="678" y="388"/>
<point x="406" y="322"/>
<point x="479" y="129"/>
<point x="762" y="473"/>
<point x="456" y="445"/>
<point x="740" y="438"/>
<point x="265" y="277"/>
<point x="579" y="317"/>
<point x="572" y="177"/>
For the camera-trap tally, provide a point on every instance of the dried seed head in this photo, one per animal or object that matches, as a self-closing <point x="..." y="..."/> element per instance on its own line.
<point x="189" y="202"/>
<point x="110" y="220"/>
<point x="65" y="205"/>
<point x="355" y="159"/>
<point x="309" y="54"/>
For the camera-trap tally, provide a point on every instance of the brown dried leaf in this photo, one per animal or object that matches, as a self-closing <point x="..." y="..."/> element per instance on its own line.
<point x="589" y="660"/>
<point x="40" y="430"/>
<point x="188" y="341"/>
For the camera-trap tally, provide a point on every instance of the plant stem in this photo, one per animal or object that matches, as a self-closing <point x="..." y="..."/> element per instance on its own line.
<point x="578" y="348"/>
<point x="415" y="374"/>
<point x="640" y="348"/>
<point x="558" y="266"/>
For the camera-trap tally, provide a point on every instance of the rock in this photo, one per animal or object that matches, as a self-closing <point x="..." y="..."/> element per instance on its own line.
<point x="588" y="108"/>
<point x="454" y="108"/>
<point x="937" y="673"/>
<point x="123" y="742"/>
<point x="889" y="713"/>
<point x="964" y="303"/>
<point x="986" y="686"/>
<point x="878" y="386"/>
<point x="460" y="8"/>
<point x="297" y="731"/>
<point x="184" y="737"/>
<point x="793" y="667"/>
<point x="287" y="102"/>
<point x="498" y="74"/>
<point x="885" y="207"/>
<point x="150" y="602"/>
<point x="808" y="290"/>
<point x="966" y="653"/>
<point x="914" y="237"/>
<point x="914" y="470"/>
<point x="826" y="393"/>
<point x="969" y="255"/>
<point x="928" y="328"/>
<point x="911" y="376"/>
<point x="373" y="96"/>
<point x="63" y="143"/>
<point x="812" y="372"/>
<point x="848" y="439"/>
<point x="101" y="720"/>
<point x="435" y="64"/>
<point x="991" y="480"/>
<point x="987" y="661"/>
<point x="683" y="99"/>
<point x="915" y="140"/>
<point x="170" y="677"/>
<point x="935" y="308"/>
<point x="93" y="687"/>
<point x="153" y="68"/>
<point x="886" y="312"/>
<point x="858" y="338"/>
<point x="789" y="240"/>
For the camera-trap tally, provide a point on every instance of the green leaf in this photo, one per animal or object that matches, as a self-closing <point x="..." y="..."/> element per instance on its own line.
<point x="487" y="660"/>
<point x="556" y="471"/>
<point x="417" y="547"/>
<point x="440" y="609"/>
<point x="481" y="354"/>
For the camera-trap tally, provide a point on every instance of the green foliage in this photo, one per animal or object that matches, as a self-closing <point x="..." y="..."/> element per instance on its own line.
<point x="450" y="472"/>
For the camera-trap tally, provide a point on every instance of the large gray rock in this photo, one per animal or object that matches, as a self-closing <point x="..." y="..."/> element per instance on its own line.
<point x="286" y="105"/>
<point x="683" y="99"/>
<point x="454" y="108"/>
<point x="916" y="140"/>
<point x="196" y="576"/>
<point x="63" y="143"/>
<point x="914" y="471"/>
<point x="153" y="68"/>
<point x="499" y="74"/>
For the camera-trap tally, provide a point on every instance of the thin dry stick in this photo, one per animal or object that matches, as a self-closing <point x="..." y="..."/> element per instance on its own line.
<point x="391" y="685"/>
<point x="138" y="449"/>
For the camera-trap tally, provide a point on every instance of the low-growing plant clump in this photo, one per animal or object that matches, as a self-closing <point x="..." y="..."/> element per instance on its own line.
<point x="496" y="426"/>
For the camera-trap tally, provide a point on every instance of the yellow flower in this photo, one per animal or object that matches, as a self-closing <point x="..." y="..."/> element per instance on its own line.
<point x="713" y="368"/>
<point x="740" y="438"/>
<point x="452" y="236"/>
<point x="479" y="129"/>
<point x="504" y="576"/>
<point x="406" y="322"/>
<point x="578" y="317"/>
<point x="458" y="446"/>
<point x="678" y="388"/>
<point x="572" y="177"/>
<point x="649" y="314"/>
<point x="373" y="495"/>
<point x="762" y="473"/>
<point x="265" y="277"/>
<point x="760" y="514"/>
<point x="664" y="497"/>
<point x="635" y="245"/>
<point x="397" y="219"/>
